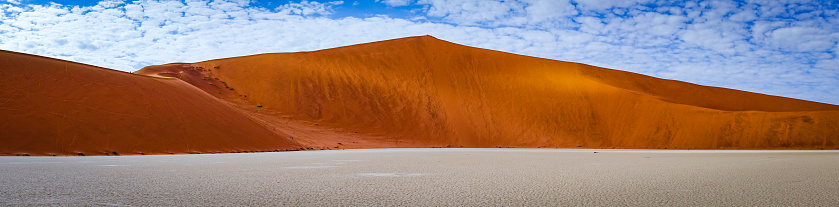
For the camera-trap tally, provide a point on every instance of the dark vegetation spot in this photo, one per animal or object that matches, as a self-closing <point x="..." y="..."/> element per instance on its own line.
<point x="595" y="152"/>
<point x="114" y="152"/>
<point x="340" y="143"/>
<point x="259" y="106"/>
<point x="80" y="154"/>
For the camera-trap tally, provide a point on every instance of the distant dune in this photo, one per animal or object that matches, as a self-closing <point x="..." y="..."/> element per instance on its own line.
<point x="409" y="92"/>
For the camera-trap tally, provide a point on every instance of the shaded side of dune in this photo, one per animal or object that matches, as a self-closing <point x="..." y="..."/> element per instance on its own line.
<point x="430" y="91"/>
<point x="54" y="107"/>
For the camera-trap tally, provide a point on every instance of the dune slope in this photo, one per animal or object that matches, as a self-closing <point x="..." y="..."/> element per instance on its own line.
<point x="54" y="107"/>
<point x="425" y="92"/>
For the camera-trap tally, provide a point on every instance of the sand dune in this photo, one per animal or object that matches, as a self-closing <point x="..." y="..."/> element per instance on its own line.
<point x="54" y="107"/>
<point x="429" y="91"/>
<point x="409" y="92"/>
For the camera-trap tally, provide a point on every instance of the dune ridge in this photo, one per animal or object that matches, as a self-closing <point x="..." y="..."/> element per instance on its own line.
<point x="425" y="92"/>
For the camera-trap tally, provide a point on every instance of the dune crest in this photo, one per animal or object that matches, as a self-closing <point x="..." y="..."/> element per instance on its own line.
<point x="409" y="92"/>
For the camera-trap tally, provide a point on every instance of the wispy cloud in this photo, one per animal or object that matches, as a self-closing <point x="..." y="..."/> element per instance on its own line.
<point x="785" y="48"/>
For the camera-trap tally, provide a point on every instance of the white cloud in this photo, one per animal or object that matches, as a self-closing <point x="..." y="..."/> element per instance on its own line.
<point x="743" y="16"/>
<point x="308" y="8"/>
<point x="709" y="36"/>
<point x="499" y="13"/>
<point x="657" y="24"/>
<point x="753" y="46"/>
<point x="396" y="2"/>
<point x="471" y="12"/>
<point x="540" y="10"/>
<point x="607" y="4"/>
<point x="802" y="39"/>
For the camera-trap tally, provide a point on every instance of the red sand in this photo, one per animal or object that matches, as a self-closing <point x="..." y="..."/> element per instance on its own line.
<point x="410" y="92"/>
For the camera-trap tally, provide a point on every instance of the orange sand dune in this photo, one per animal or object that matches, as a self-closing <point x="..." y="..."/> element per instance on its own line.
<point x="54" y="107"/>
<point x="421" y="92"/>
<point x="410" y="92"/>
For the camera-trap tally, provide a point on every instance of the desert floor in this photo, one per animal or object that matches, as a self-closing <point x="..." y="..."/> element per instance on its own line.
<point x="429" y="177"/>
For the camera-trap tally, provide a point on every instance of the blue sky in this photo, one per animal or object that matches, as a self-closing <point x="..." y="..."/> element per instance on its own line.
<point x="778" y="47"/>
